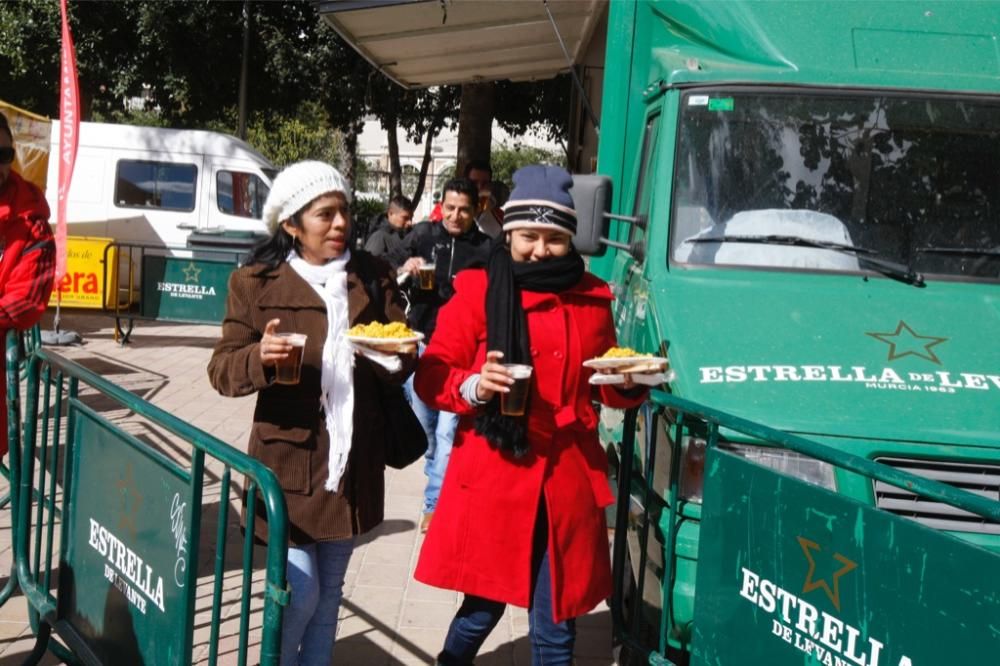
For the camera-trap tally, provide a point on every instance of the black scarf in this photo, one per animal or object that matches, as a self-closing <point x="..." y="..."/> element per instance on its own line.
<point x="507" y="331"/>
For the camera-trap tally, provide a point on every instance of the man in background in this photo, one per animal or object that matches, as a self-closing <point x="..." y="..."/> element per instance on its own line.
<point x="387" y="241"/>
<point x="489" y="217"/>
<point x="449" y="247"/>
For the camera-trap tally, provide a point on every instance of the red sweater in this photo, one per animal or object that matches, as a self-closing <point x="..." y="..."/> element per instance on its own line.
<point x="27" y="265"/>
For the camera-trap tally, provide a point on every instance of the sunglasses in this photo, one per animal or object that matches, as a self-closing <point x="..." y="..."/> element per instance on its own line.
<point x="7" y="155"/>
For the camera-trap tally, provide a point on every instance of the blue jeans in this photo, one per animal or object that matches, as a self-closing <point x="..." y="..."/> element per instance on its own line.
<point x="440" y="430"/>
<point x="551" y="642"/>
<point x="316" y="577"/>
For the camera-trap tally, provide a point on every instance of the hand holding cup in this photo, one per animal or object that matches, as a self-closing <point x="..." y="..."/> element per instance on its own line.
<point x="511" y="380"/>
<point x="283" y="352"/>
<point x="493" y="377"/>
<point x="273" y="347"/>
<point x="411" y="266"/>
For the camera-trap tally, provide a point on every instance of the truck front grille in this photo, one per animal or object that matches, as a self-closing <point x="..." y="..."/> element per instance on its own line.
<point x="975" y="478"/>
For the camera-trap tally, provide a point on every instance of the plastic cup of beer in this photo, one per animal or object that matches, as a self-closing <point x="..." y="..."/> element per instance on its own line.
<point x="514" y="402"/>
<point x="288" y="370"/>
<point x="425" y="276"/>
<point x="484" y="199"/>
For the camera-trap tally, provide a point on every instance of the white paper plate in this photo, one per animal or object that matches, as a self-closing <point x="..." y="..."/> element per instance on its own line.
<point x="654" y="362"/>
<point x="384" y="342"/>
<point x="647" y="379"/>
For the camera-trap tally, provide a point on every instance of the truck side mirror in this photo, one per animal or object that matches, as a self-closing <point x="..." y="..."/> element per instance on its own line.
<point x="592" y="200"/>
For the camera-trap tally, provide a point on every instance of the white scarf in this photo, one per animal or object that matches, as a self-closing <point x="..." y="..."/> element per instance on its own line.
<point x="330" y="282"/>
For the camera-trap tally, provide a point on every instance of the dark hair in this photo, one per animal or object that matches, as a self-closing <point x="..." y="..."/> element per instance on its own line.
<point x="401" y="202"/>
<point x="481" y="165"/>
<point x="273" y="251"/>
<point x="500" y="190"/>
<point x="4" y="125"/>
<point x="462" y="186"/>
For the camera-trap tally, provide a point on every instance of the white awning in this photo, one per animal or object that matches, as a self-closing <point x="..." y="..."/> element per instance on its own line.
<point x="420" y="43"/>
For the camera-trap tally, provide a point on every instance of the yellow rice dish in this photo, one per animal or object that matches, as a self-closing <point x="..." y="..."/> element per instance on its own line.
<point x="375" y="329"/>
<point x="624" y="352"/>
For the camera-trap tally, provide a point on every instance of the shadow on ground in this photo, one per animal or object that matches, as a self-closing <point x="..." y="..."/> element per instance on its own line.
<point x="93" y="325"/>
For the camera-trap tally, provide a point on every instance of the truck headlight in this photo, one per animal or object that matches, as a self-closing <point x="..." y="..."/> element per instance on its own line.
<point x="787" y="462"/>
<point x="692" y="475"/>
<point x="795" y="465"/>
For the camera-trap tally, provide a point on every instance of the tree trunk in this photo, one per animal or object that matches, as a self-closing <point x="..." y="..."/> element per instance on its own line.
<point x="432" y="132"/>
<point x="86" y="105"/>
<point x="441" y="109"/>
<point x="351" y="153"/>
<point x="241" y="129"/>
<point x="395" y="171"/>
<point x="475" y="124"/>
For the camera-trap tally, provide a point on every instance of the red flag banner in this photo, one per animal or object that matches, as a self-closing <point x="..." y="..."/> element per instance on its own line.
<point x="69" y="135"/>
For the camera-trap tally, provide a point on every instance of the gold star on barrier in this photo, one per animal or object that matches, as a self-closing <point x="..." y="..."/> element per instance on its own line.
<point x="191" y="272"/>
<point x="811" y="584"/>
<point x="911" y="343"/>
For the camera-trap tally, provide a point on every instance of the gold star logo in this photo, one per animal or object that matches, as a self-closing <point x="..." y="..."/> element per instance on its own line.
<point x="191" y="272"/>
<point x="129" y="501"/>
<point x="814" y="584"/>
<point x="905" y="342"/>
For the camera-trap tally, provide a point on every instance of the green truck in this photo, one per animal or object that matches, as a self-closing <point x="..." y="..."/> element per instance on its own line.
<point x="804" y="206"/>
<point x="798" y="203"/>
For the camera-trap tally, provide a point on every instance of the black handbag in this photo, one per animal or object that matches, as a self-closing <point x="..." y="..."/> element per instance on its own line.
<point x="405" y="439"/>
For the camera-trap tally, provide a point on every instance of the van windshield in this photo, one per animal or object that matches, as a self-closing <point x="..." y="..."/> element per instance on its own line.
<point x="913" y="180"/>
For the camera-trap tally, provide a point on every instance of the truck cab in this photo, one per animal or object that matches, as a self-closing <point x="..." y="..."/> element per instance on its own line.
<point x="805" y="218"/>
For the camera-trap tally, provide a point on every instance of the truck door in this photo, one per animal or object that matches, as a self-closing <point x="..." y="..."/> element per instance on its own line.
<point x="630" y="288"/>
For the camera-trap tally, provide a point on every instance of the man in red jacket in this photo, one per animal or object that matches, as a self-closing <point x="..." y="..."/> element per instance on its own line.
<point x="27" y="256"/>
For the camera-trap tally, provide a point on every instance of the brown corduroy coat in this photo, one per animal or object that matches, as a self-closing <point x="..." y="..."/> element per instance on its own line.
<point x="289" y="432"/>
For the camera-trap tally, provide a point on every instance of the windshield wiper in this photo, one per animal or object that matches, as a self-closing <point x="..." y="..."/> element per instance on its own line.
<point x="886" y="267"/>
<point x="970" y="251"/>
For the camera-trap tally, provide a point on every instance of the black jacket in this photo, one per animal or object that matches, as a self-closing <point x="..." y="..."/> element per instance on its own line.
<point x="450" y="254"/>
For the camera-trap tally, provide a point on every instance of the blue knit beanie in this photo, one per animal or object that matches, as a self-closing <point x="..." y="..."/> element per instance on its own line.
<point x="540" y="200"/>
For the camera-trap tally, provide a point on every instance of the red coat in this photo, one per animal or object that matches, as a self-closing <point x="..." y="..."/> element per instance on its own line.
<point x="481" y="537"/>
<point x="26" y="268"/>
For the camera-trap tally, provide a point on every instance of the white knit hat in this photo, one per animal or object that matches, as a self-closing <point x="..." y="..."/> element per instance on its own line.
<point x="297" y="185"/>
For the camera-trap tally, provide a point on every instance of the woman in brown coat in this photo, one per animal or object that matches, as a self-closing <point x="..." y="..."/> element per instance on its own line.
<point x="323" y="436"/>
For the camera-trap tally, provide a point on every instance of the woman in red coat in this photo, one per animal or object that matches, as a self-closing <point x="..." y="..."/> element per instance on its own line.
<point x="521" y="514"/>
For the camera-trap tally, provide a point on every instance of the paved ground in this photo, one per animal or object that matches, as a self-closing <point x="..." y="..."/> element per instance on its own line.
<point x="387" y="617"/>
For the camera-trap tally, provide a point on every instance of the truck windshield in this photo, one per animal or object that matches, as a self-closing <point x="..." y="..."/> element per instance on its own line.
<point x="913" y="180"/>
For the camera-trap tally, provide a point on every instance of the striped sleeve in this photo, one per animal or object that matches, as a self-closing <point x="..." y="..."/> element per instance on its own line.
<point x="29" y="264"/>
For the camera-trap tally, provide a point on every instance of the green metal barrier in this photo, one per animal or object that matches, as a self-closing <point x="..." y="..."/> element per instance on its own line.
<point x="29" y="341"/>
<point x="14" y="353"/>
<point x="179" y="284"/>
<point x="789" y="572"/>
<point x="130" y="521"/>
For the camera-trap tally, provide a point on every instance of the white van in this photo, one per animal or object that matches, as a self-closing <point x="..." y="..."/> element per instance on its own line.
<point x="157" y="186"/>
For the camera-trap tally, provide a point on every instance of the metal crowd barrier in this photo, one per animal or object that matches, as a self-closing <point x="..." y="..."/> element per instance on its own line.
<point x="756" y="527"/>
<point x="117" y="582"/>
<point x="167" y="283"/>
<point x="29" y="341"/>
